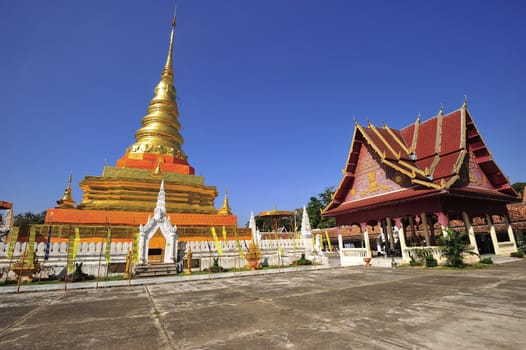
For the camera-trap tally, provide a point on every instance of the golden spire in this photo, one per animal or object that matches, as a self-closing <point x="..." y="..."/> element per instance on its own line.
<point x="225" y="209"/>
<point x="160" y="132"/>
<point x="67" y="200"/>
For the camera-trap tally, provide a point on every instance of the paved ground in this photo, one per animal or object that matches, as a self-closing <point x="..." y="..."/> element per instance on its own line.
<point x="342" y="308"/>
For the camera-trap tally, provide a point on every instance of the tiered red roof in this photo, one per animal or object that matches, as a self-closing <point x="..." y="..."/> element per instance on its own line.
<point x="444" y="154"/>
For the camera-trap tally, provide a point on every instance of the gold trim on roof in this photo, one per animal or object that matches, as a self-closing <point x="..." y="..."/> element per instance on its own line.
<point x="382" y="138"/>
<point x="395" y="137"/>
<point x="415" y="135"/>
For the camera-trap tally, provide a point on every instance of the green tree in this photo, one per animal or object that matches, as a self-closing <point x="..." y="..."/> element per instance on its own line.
<point x="454" y="245"/>
<point x="519" y="187"/>
<point x="316" y="205"/>
<point x="29" y="218"/>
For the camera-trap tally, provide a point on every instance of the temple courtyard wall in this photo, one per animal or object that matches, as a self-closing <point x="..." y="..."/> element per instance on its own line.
<point x="93" y="255"/>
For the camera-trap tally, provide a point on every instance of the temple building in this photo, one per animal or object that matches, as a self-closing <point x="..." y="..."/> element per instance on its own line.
<point x="125" y="195"/>
<point x="402" y="188"/>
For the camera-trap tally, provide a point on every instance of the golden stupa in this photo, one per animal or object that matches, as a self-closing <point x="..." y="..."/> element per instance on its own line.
<point x="126" y="194"/>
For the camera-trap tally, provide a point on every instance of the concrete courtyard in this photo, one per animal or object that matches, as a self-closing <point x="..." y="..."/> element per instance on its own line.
<point x="341" y="308"/>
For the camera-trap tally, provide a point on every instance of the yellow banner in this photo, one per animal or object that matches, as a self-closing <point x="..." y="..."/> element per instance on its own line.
<point x="218" y="244"/>
<point x="108" y="246"/>
<point x="280" y="252"/>
<point x="239" y="247"/>
<point x="76" y="243"/>
<point x="135" y="252"/>
<point x="12" y="241"/>
<point x="71" y="258"/>
<point x="328" y="240"/>
<point x="224" y="233"/>
<point x="31" y="245"/>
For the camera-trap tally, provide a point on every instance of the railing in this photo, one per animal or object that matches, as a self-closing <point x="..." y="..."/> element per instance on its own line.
<point x="436" y="251"/>
<point x="354" y="252"/>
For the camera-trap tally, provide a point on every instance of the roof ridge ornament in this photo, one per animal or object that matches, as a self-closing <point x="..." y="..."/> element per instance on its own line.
<point x="441" y="111"/>
<point x="465" y="104"/>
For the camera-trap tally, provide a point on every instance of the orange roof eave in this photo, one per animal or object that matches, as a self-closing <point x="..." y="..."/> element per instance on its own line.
<point x="102" y="217"/>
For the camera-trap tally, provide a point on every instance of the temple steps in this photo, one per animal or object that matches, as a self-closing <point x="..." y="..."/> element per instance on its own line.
<point x="153" y="270"/>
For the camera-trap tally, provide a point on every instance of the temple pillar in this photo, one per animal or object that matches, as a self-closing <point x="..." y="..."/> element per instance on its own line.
<point x="493" y="234"/>
<point x="390" y="233"/>
<point x="510" y="230"/>
<point x="401" y="236"/>
<point x="412" y="227"/>
<point x="470" y="231"/>
<point x="340" y="242"/>
<point x="143" y="247"/>
<point x="365" y="232"/>
<point x="425" y="226"/>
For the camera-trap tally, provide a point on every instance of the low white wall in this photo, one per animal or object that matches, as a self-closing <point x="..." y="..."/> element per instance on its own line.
<point x="93" y="255"/>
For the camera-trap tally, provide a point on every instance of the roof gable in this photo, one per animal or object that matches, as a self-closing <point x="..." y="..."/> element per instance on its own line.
<point x="428" y="154"/>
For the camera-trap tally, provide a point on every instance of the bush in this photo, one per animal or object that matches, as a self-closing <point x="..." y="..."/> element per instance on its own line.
<point x="517" y="254"/>
<point x="454" y="245"/>
<point x="302" y="261"/>
<point x="430" y="261"/>
<point x="486" y="261"/>
<point x="414" y="262"/>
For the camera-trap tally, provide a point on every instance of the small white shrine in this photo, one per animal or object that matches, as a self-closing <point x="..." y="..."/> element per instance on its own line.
<point x="158" y="238"/>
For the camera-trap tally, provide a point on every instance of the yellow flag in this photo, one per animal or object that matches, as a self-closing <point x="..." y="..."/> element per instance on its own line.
<point x="328" y="240"/>
<point x="12" y="242"/>
<point x="71" y="258"/>
<point x="76" y="243"/>
<point x="218" y="244"/>
<point x="224" y="233"/>
<point x="108" y="246"/>
<point x="135" y="245"/>
<point x="239" y="248"/>
<point x="31" y="245"/>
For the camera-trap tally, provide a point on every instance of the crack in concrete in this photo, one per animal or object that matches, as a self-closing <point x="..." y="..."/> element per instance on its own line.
<point x="29" y="314"/>
<point x="165" y="336"/>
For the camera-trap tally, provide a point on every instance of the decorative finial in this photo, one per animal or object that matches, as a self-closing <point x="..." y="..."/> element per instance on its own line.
<point x="161" y="131"/>
<point x="354" y="119"/>
<point x="225" y="209"/>
<point x="418" y="117"/>
<point x="66" y="201"/>
<point x="441" y="111"/>
<point x="175" y="12"/>
<point x="384" y="125"/>
<point x="465" y="104"/>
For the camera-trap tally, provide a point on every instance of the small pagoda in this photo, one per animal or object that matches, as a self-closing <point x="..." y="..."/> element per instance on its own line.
<point x="125" y="194"/>
<point x="415" y="182"/>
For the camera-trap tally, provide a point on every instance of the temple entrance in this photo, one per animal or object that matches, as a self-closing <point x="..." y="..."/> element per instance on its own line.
<point x="484" y="243"/>
<point x="156" y="246"/>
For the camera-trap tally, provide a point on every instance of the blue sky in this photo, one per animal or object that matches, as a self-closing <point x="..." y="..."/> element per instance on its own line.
<point x="267" y="90"/>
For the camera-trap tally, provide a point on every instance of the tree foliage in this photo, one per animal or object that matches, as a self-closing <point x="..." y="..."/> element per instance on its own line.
<point x="519" y="187"/>
<point x="29" y="218"/>
<point x="316" y="205"/>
